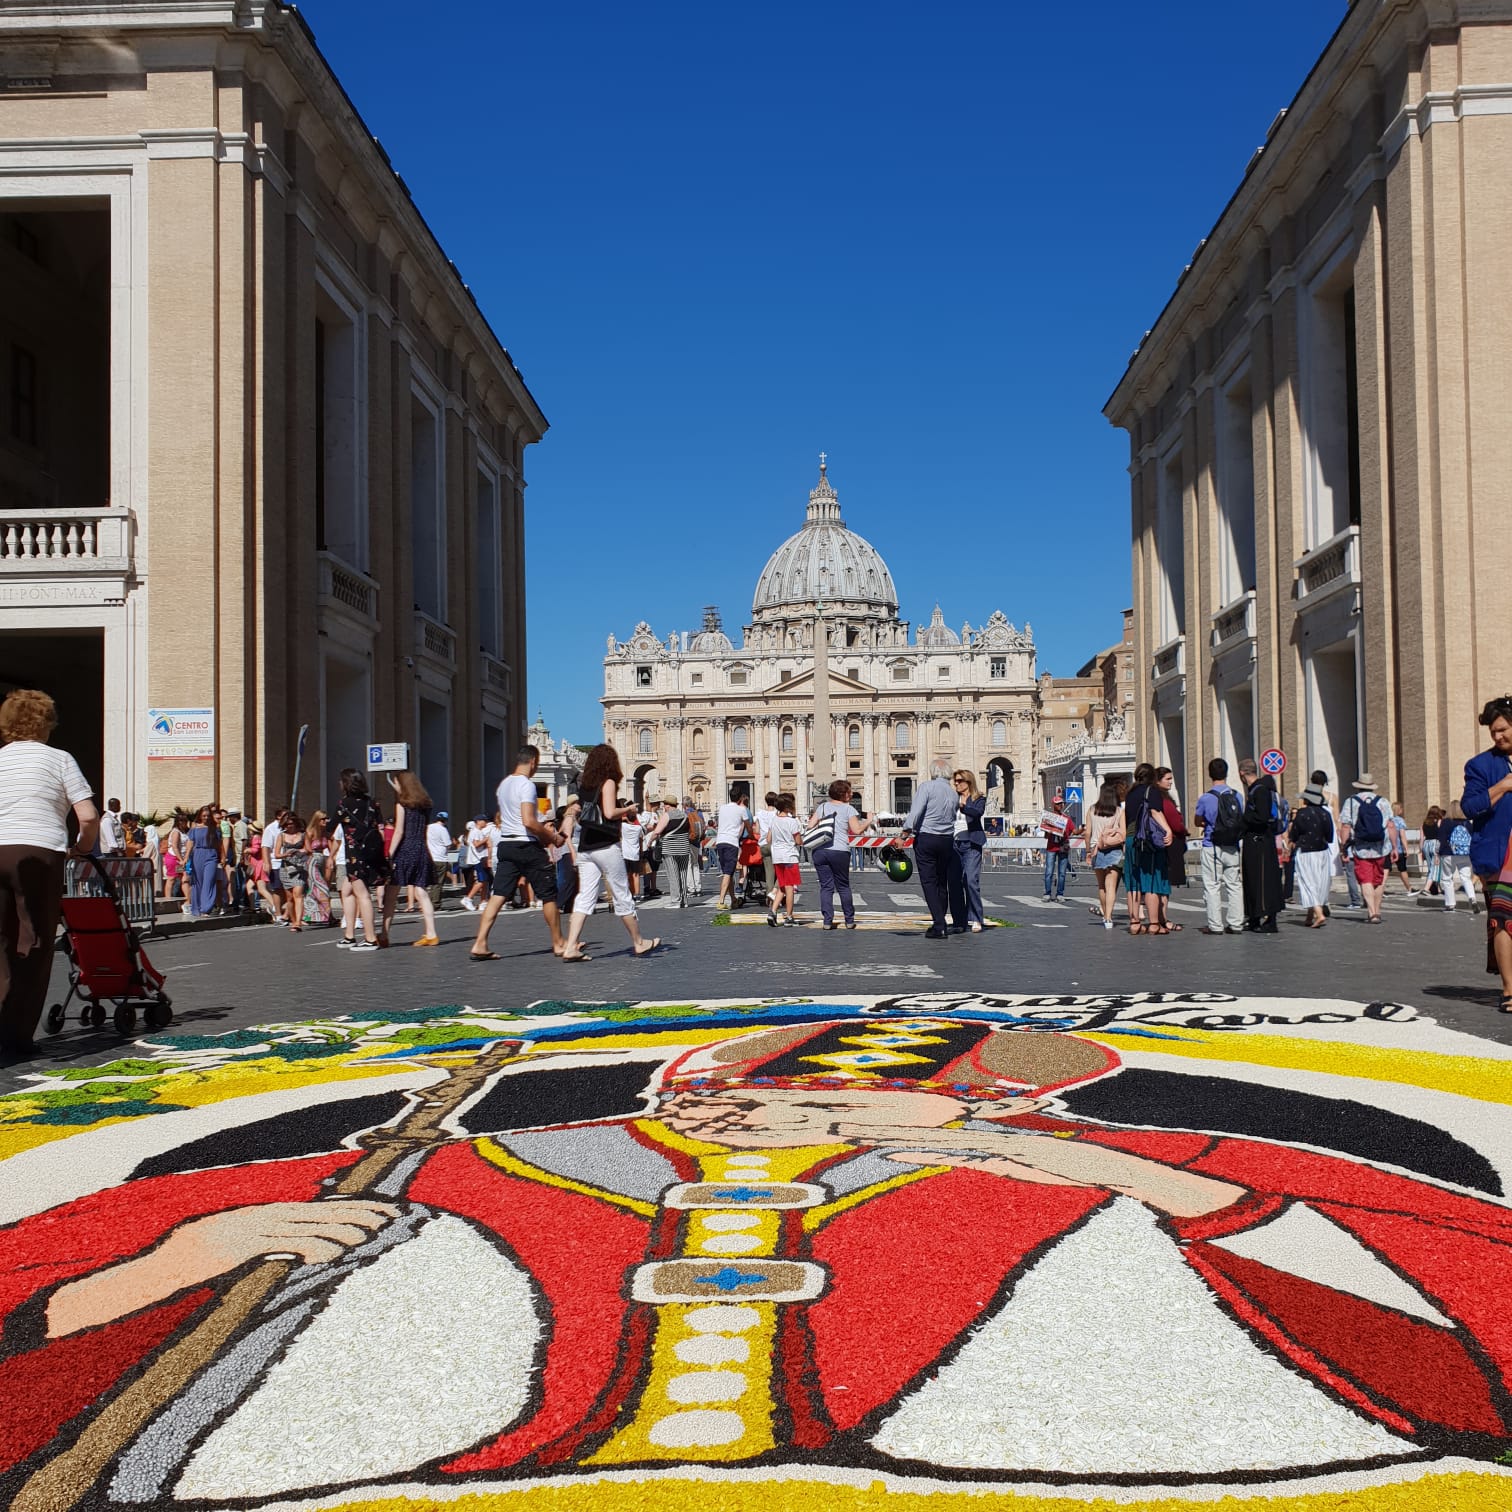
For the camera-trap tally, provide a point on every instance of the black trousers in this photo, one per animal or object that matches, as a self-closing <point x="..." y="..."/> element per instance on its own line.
<point x="31" y="896"/>
<point x="941" y="878"/>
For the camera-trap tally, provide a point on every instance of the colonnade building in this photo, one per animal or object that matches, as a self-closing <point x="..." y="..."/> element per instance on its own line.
<point x="692" y="714"/>
<point x="261" y="455"/>
<point x="1320" y="453"/>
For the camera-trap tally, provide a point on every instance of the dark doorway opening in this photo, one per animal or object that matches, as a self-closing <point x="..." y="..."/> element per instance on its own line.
<point x="69" y="666"/>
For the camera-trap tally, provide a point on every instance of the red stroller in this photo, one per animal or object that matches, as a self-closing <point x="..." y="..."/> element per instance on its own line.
<point x="106" y="963"/>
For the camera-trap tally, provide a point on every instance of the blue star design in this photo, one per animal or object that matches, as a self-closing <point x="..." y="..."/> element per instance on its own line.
<point x="740" y="1194"/>
<point x="729" y="1279"/>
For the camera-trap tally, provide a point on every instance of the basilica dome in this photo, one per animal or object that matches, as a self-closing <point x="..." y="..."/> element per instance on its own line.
<point x="824" y="557"/>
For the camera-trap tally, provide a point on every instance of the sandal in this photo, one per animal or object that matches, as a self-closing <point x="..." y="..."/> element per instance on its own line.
<point x="1159" y="929"/>
<point x="1139" y="927"/>
<point x="575" y="956"/>
<point x="491" y="955"/>
<point x="650" y="945"/>
<point x="1506" y="1002"/>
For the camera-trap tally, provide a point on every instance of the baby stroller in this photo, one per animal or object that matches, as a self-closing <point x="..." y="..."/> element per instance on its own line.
<point x="106" y="963"/>
<point x="755" y="878"/>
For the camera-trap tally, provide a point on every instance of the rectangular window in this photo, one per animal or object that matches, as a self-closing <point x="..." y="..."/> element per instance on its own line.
<point x="854" y="673"/>
<point x="942" y="673"/>
<point x="900" y="673"/>
<point x="427" y="509"/>
<point x="490" y="554"/>
<point x="698" y="679"/>
<point x="643" y="677"/>
<point x="737" y="679"/>
<point x="998" y="667"/>
<point x="23" y="405"/>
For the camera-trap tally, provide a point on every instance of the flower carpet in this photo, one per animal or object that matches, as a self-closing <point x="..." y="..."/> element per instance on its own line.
<point x="933" y="1252"/>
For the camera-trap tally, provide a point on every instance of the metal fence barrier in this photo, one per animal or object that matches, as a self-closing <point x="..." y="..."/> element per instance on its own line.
<point x="134" y="877"/>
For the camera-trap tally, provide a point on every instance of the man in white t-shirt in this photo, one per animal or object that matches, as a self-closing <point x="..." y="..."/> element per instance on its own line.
<point x="523" y="838"/>
<point x="438" y="843"/>
<point x="632" y="833"/>
<point x="112" y="831"/>
<point x="271" y="831"/>
<point x="731" y="825"/>
<point x="763" y="820"/>
<point x="477" y="864"/>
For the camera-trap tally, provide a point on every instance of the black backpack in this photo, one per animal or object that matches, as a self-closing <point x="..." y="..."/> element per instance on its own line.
<point x="1228" y="827"/>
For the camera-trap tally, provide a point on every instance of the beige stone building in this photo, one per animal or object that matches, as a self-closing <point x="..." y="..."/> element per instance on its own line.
<point x="1320" y="453"/>
<point x="692" y="714"/>
<point x="261" y="455"/>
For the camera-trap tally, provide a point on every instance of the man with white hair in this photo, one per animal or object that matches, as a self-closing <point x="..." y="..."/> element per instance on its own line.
<point x="931" y="821"/>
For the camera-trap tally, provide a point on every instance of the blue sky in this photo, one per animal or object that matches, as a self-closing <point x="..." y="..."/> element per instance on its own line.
<point x="717" y="239"/>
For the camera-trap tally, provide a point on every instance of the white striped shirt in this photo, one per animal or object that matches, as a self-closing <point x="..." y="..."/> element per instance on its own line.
<point x="38" y="786"/>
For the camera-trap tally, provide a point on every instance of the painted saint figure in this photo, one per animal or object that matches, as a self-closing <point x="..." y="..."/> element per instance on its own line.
<point x="866" y="1240"/>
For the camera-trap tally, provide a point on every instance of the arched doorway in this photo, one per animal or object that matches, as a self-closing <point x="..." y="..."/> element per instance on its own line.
<point x="1000" y="786"/>
<point x="644" y="784"/>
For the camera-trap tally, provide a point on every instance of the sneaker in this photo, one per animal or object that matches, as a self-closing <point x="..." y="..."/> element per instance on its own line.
<point x="469" y="905"/>
<point x="1108" y="924"/>
<point x="345" y="944"/>
<point x="365" y="945"/>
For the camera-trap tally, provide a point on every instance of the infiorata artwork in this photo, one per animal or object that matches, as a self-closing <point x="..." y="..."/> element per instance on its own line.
<point x="1038" y="1252"/>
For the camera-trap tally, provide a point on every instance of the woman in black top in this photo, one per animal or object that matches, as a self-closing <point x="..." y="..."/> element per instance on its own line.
<point x="1310" y="838"/>
<point x="367" y="864"/>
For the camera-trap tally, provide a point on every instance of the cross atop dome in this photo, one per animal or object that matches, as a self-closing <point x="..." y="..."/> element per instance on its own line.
<point x="824" y="503"/>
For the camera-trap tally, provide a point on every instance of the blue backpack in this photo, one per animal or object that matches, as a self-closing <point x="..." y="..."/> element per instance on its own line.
<point x="1369" y="827"/>
<point x="1459" y="838"/>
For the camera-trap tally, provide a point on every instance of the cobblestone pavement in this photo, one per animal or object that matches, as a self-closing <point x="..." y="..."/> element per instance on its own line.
<point x="231" y="978"/>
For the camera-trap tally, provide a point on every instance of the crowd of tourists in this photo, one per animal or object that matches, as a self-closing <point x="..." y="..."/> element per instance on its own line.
<point x="353" y="867"/>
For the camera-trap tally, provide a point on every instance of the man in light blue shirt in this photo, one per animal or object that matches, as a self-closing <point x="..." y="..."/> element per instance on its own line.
<point x="931" y="821"/>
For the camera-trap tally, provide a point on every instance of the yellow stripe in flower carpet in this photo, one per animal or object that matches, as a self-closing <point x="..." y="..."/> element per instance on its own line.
<point x="1464" y="1075"/>
<point x="1433" y="1493"/>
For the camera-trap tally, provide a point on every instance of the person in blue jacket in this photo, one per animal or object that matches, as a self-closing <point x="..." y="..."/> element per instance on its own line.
<point x="970" y="837"/>
<point x="1487" y="802"/>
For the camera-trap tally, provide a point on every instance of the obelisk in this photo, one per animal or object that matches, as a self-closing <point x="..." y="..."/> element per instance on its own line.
<point x="822" y="744"/>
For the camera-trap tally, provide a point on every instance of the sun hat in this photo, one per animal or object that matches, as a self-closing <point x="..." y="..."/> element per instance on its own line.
<point x="1312" y="795"/>
<point x="1365" y="784"/>
<point x="442" y="814"/>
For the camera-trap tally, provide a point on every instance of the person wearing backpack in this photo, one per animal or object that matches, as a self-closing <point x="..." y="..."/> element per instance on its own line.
<point x="1364" y="828"/>
<point x="1220" y="819"/>
<point x="1309" y="837"/>
<point x="1455" y="870"/>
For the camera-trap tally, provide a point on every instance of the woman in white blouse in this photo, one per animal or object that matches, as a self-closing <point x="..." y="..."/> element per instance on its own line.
<point x="38" y="786"/>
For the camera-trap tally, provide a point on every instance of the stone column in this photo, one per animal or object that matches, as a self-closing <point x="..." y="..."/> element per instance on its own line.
<point x="801" y="759"/>
<point x="774" y="750"/>
<point x="719" y="780"/>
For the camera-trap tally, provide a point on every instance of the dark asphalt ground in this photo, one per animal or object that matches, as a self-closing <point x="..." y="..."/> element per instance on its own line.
<point x="230" y="978"/>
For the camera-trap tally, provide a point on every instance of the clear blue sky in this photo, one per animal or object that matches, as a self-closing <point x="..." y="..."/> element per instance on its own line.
<point x="717" y="239"/>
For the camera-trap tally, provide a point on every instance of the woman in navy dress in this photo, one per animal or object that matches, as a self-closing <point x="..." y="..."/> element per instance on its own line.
<point x="409" y="851"/>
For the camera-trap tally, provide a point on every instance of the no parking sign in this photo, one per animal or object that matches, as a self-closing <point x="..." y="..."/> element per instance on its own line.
<point x="1273" y="762"/>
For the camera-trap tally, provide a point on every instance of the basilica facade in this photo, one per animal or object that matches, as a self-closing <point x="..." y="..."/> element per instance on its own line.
<point x="692" y="714"/>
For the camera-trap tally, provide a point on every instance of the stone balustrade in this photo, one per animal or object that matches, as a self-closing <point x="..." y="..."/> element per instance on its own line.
<point x="1329" y="568"/>
<point x="82" y="542"/>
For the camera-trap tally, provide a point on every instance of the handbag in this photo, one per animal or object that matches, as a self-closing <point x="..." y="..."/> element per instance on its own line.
<point x="820" y="836"/>
<point x="595" y="831"/>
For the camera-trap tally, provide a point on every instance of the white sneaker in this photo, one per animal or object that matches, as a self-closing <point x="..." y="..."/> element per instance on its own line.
<point x="469" y="905"/>
<point x="1107" y="923"/>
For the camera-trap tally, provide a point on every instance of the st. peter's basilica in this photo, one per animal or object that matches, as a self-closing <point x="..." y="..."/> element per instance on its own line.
<point x="692" y="713"/>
